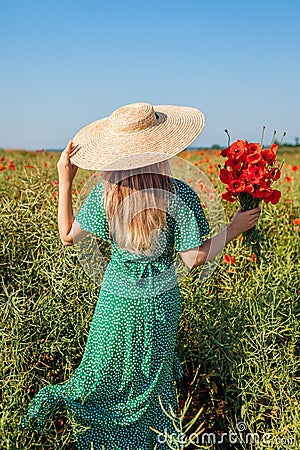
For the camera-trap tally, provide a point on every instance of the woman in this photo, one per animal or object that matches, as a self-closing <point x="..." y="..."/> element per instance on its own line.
<point x="130" y="364"/>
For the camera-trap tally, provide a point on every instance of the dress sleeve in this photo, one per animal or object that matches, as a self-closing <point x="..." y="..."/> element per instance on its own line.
<point x="190" y="222"/>
<point x="91" y="216"/>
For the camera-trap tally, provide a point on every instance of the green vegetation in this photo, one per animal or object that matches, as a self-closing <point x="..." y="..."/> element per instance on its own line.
<point x="238" y="337"/>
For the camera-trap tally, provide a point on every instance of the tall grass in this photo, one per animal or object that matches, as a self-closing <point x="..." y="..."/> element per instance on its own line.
<point x="238" y="337"/>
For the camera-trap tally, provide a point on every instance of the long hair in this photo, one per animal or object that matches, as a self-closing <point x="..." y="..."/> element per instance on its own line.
<point x="136" y="201"/>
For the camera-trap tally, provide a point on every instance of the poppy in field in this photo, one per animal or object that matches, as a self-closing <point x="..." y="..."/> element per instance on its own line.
<point x="11" y="165"/>
<point x="228" y="259"/>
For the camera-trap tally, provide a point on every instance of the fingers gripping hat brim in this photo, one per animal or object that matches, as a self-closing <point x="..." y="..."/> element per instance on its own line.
<point x="135" y="136"/>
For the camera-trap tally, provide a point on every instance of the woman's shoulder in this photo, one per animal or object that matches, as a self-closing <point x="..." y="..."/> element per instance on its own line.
<point x="97" y="190"/>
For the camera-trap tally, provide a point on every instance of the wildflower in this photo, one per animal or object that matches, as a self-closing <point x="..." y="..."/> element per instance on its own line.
<point x="55" y="183"/>
<point x="225" y="176"/>
<point x="297" y="221"/>
<point x="236" y="186"/>
<point x="11" y="165"/>
<point x="288" y="179"/>
<point x="295" y="168"/>
<point x="228" y="259"/>
<point x="228" y="196"/>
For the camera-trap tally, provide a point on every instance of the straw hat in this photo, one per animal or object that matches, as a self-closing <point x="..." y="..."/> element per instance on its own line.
<point x="136" y="135"/>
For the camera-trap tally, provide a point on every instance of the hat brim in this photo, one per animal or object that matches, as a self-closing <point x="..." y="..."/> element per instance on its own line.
<point x="100" y="148"/>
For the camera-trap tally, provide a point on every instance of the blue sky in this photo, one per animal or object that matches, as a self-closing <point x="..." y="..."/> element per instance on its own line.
<point x="67" y="63"/>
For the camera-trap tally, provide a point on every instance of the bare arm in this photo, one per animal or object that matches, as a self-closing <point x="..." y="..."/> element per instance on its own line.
<point x="69" y="229"/>
<point x="241" y="222"/>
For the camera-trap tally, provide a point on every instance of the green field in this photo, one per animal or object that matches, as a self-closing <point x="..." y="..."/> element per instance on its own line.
<point x="238" y="337"/>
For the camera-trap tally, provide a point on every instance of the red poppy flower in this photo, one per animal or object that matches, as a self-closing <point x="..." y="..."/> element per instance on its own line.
<point x="248" y="181"/>
<point x="236" y="186"/>
<point x="295" y="168"/>
<point x="262" y="192"/>
<point x="225" y="176"/>
<point x="253" y="257"/>
<point x="229" y="259"/>
<point x="228" y="196"/>
<point x="254" y="147"/>
<point x="266" y="180"/>
<point x="210" y="169"/>
<point x="274" y="197"/>
<point x="296" y="221"/>
<point x="253" y="174"/>
<point x="288" y="179"/>
<point x="275" y="173"/>
<point x="11" y="165"/>
<point x="252" y="157"/>
<point x="237" y="149"/>
<point x="224" y="152"/>
<point x="269" y="154"/>
<point x="235" y="164"/>
<point x="2" y="167"/>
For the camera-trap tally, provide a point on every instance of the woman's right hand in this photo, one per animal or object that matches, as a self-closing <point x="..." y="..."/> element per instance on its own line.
<point x="244" y="220"/>
<point x="66" y="170"/>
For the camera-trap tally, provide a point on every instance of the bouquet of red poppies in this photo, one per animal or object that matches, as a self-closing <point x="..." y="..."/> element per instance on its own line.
<point x="248" y="173"/>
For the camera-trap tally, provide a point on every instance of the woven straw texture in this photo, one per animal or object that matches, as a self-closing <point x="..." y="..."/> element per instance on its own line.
<point x="136" y="135"/>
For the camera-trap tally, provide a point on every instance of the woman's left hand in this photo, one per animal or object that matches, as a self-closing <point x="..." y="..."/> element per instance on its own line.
<point x="66" y="170"/>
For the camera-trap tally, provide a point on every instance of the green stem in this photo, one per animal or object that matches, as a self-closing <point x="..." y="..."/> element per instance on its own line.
<point x="252" y="237"/>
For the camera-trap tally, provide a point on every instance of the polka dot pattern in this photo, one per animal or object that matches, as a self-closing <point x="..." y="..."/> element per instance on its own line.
<point x="130" y="358"/>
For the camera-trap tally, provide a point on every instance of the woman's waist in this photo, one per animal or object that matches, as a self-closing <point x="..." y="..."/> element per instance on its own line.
<point x="139" y="278"/>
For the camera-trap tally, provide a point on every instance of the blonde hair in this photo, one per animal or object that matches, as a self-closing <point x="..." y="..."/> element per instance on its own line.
<point x="135" y="202"/>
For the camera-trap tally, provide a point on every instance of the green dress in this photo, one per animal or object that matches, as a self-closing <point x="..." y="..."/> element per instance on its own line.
<point x="130" y="357"/>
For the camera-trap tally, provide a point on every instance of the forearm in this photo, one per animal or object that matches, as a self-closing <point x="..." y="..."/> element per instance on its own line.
<point x="242" y="221"/>
<point x="211" y="247"/>
<point x="65" y="212"/>
<point x="215" y="245"/>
